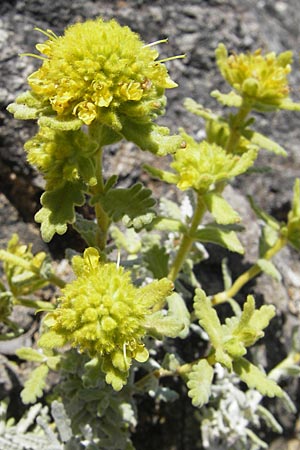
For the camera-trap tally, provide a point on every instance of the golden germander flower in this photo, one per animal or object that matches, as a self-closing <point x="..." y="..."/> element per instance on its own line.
<point x="259" y="78"/>
<point x="103" y="314"/>
<point x="101" y="70"/>
<point x="201" y="165"/>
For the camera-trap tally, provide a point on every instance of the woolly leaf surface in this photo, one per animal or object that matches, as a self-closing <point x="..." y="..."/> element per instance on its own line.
<point x="34" y="386"/>
<point x="256" y="379"/>
<point x="30" y="354"/>
<point x="199" y="383"/>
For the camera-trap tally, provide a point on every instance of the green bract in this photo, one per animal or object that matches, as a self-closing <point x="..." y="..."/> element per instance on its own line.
<point x="103" y="314"/>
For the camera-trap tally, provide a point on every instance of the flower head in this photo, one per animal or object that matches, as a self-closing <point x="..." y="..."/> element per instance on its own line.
<point x="261" y="79"/>
<point x="100" y="71"/>
<point x="199" y="166"/>
<point x="103" y="314"/>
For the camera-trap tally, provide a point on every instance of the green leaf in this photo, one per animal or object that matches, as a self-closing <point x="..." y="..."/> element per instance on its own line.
<point x="29" y="354"/>
<point x="232" y="99"/>
<point x="261" y="214"/>
<point x="172" y="323"/>
<point x="34" y="386"/>
<point x="268" y="267"/>
<point x="156" y="260"/>
<point x="199" y="383"/>
<point x="133" y="202"/>
<point x="87" y="229"/>
<point x="28" y="106"/>
<point x="293" y="225"/>
<point x="209" y="321"/>
<point x="129" y="240"/>
<point x="151" y="137"/>
<point x="166" y="224"/>
<point x="59" y="209"/>
<point x="256" y="379"/>
<point x="199" y="110"/>
<point x="267" y="144"/>
<point x="219" y="236"/>
<point x="223" y="213"/>
<point x="58" y="123"/>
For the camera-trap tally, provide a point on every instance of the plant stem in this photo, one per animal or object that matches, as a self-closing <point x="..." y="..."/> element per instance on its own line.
<point x="235" y="127"/>
<point x="187" y="239"/>
<point x="102" y="218"/>
<point x="252" y="272"/>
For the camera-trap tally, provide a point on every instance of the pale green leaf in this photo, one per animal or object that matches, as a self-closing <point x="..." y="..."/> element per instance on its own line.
<point x="151" y="137"/>
<point x="58" y="123"/>
<point x="267" y="144"/>
<point x="209" y="321"/>
<point x="231" y="99"/>
<point x="223" y="237"/>
<point x="30" y="354"/>
<point x="268" y="267"/>
<point x="256" y="379"/>
<point x="199" y="110"/>
<point x="172" y="323"/>
<point x="166" y="224"/>
<point x="293" y="225"/>
<point x="199" y="383"/>
<point x="34" y="386"/>
<point x="129" y="240"/>
<point x="59" y="209"/>
<point x="220" y="209"/>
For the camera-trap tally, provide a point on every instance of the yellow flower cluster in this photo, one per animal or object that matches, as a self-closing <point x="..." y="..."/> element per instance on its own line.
<point x="201" y="165"/>
<point x="260" y="78"/>
<point x="103" y="314"/>
<point x="100" y="71"/>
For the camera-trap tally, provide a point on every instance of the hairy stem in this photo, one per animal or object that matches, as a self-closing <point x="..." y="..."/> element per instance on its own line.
<point x="102" y="218"/>
<point x="187" y="239"/>
<point x="245" y="277"/>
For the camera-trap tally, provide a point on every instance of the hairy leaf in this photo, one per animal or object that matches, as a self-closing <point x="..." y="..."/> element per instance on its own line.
<point x="256" y="379"/>
<point x="133" y="202"/>
<point x="267" y="144"/>
<point x="156" y="260"/>
<point x="231" y="99"/>
<point x="223" y="213"/>
<point x="268" y="267"/>
<point x="59" y="209"/>
<point x="34" y="386"/>
<point x="151" y="137"/>
<point x="223" y="237"/>
<point x="87" y="229"/>
<point x="209" y="321"/>
<point x="30" y="354"/>
<point x="172" y="323"/>
<point x="199" y="383"/>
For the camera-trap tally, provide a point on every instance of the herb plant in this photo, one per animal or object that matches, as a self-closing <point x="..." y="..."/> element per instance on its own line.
<point x="129" y="293"/>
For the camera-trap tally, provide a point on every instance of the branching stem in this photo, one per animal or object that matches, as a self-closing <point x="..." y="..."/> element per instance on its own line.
<point x="252" y="272"/>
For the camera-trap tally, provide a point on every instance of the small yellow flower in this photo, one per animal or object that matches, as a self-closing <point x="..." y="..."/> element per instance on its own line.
<point x="103" y="314"/>
<point x="262" y="79"/>
<point x="100" y="71"/>
<point x="201" y="165"/>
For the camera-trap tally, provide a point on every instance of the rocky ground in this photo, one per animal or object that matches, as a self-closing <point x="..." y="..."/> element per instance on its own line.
<point x="194" y="27"/>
